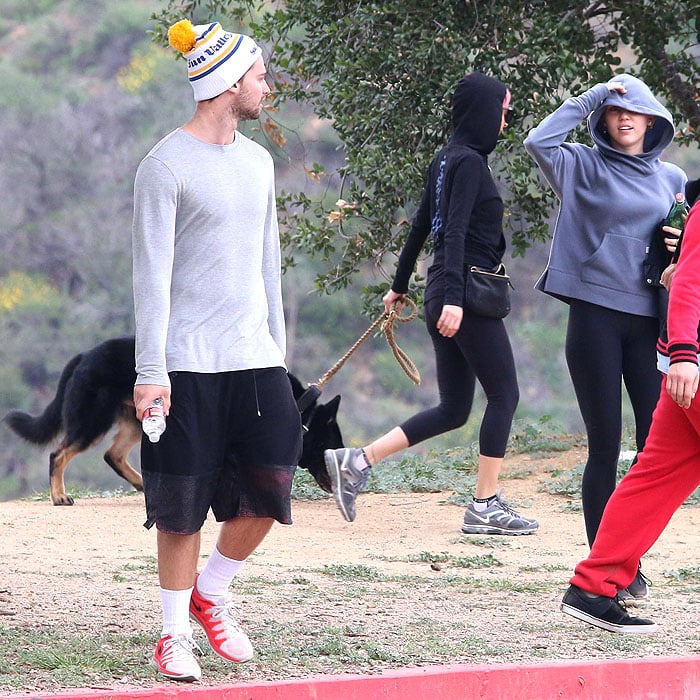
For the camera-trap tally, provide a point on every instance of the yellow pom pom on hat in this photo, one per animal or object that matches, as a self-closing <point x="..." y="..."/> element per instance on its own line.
<point x="216" y="59"/>
<point x="182" y="36"/>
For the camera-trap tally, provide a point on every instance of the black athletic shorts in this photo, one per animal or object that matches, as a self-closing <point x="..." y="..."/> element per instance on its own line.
<point x="232" y="442"/>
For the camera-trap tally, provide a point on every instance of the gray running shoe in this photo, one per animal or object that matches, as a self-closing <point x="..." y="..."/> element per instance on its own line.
<point x="637" y="590"/>
<point x="607" y="613"/>
<point x="347" y="478"/>
<point x="498" y="519"/>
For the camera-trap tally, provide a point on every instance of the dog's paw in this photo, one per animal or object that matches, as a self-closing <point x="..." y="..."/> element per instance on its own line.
<point x="62" y="500"/>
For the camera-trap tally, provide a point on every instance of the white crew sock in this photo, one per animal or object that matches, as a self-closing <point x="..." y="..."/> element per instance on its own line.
<point x="215" y="578"/>
<point x="176" y="612"/>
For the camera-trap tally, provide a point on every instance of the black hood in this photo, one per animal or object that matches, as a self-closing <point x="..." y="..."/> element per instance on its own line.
<point x="692" y="191"/>
<point x="477" y="108"/>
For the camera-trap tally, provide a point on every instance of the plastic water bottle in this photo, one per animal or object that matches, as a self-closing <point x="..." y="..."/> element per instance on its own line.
<point x="153" y="421"/>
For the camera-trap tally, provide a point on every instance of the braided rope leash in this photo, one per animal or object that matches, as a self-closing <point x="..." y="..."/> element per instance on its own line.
<point x="405" y="362"/>
<point x="386" y="320"/>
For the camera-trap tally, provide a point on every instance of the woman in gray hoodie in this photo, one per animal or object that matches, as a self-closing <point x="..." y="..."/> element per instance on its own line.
<point x="613" y="197"/>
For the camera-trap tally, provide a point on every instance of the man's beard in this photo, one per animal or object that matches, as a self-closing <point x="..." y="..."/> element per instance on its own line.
<point x="246" y="112"/>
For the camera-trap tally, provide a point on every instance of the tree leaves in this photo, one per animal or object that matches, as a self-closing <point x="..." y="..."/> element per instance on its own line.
<point x="382" y="73"/>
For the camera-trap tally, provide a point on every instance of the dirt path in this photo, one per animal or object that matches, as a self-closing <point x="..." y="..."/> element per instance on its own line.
<point x="92" y="566"/>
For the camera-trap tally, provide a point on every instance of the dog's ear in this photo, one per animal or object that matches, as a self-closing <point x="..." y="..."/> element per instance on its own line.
<point x="332" y="406"/>
<point x="330" y="434"/>
<point x="323" y="434"/>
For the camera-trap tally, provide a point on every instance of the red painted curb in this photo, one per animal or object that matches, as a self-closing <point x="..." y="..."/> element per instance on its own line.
<point x="634" y="679"/>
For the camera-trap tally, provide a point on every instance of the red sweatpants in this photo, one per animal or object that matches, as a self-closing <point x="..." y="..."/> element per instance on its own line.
<point x="667" y="471"/>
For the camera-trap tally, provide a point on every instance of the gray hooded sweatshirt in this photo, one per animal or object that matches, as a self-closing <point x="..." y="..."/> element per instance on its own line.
<point x="611" y="203"/>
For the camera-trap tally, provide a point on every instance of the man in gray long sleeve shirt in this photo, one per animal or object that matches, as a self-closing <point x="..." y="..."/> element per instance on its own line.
<point x="210" y="341"/>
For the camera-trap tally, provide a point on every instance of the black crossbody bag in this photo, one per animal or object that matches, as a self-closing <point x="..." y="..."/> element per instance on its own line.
<point x="487" y="292"/>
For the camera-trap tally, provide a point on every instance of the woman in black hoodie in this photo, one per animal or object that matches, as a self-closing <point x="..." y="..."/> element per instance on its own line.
<point x="463" y="213"/>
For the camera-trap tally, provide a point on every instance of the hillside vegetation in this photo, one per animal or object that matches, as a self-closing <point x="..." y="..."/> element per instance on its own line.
<point x="84" y="94"/>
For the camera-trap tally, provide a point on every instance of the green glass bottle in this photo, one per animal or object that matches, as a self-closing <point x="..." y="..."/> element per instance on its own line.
<point x="675" y="218"/>
<point x="678" y="213"/>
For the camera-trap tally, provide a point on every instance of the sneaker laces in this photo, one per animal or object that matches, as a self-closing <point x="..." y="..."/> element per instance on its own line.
<point x="506" y="507"/>
<point x="362" y="478"/>
<point x="182" y="647"/>
<point x="360" y="475"/>
<point x="644" y="578"/>
<point x="226" y="614"/>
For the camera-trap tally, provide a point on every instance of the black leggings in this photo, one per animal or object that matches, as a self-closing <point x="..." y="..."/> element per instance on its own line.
<point x="479" y="350"/>
<point x="604" y="347"/>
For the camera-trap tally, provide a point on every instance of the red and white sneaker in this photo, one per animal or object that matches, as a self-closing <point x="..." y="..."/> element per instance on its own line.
<point x="224" y="633"/>
<point x="174" y="658"/>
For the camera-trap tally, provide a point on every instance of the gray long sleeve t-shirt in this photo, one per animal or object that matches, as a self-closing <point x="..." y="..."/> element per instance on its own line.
<point x="206" y="259"/>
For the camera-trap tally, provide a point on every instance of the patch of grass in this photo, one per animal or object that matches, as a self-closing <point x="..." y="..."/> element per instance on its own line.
<point x="148" y="566"/>
<point x="455" y="583"/>
<point x="463" y="497"/>
<point x="305" y="488"/>
<point x="330" y="649"/>
<point x="453" y="469"/>
<point x="430" y="557"/>
<point x="480" y="561"/>
<point x="84" y="492"/>
<point x="571" y="507"/>
<point x="406" y="620"/>
<point x="431" y="638"/>
<point x="626" y="643"/>
<point x="693" y="499"/>
<point x="564" y="482"/>
<point x="521" y="472"/>
<point x="502" y="584"/>
<point x="68" y="660"/>
<point x="353" y="572"/>
<point x="541" y="437"/>
<point x="544" y="568"/>
<point x="257" y="585"/>
<point x="488" y="541"/>
<point x="685" y="575"/>
<point x="73" y="574"/>
<point x="623" y="466"/>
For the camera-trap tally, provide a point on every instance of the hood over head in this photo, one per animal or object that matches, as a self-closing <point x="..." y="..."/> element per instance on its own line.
<point x="477" y="109"/>
<point x="638" y="98"/>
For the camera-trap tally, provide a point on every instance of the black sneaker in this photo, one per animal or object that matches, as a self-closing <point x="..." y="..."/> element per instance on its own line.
<point x="637" y="590"/>
<point x="607" y="613"/>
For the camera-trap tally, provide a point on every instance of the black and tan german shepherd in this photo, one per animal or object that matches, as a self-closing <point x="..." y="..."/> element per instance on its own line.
<point x="95" y="392"/>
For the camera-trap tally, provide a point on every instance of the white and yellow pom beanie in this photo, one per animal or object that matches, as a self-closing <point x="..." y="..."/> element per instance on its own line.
<point x="216" y="59"/>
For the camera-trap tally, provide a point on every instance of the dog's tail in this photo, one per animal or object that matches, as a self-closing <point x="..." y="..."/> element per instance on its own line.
<point x="40" y="430"/>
